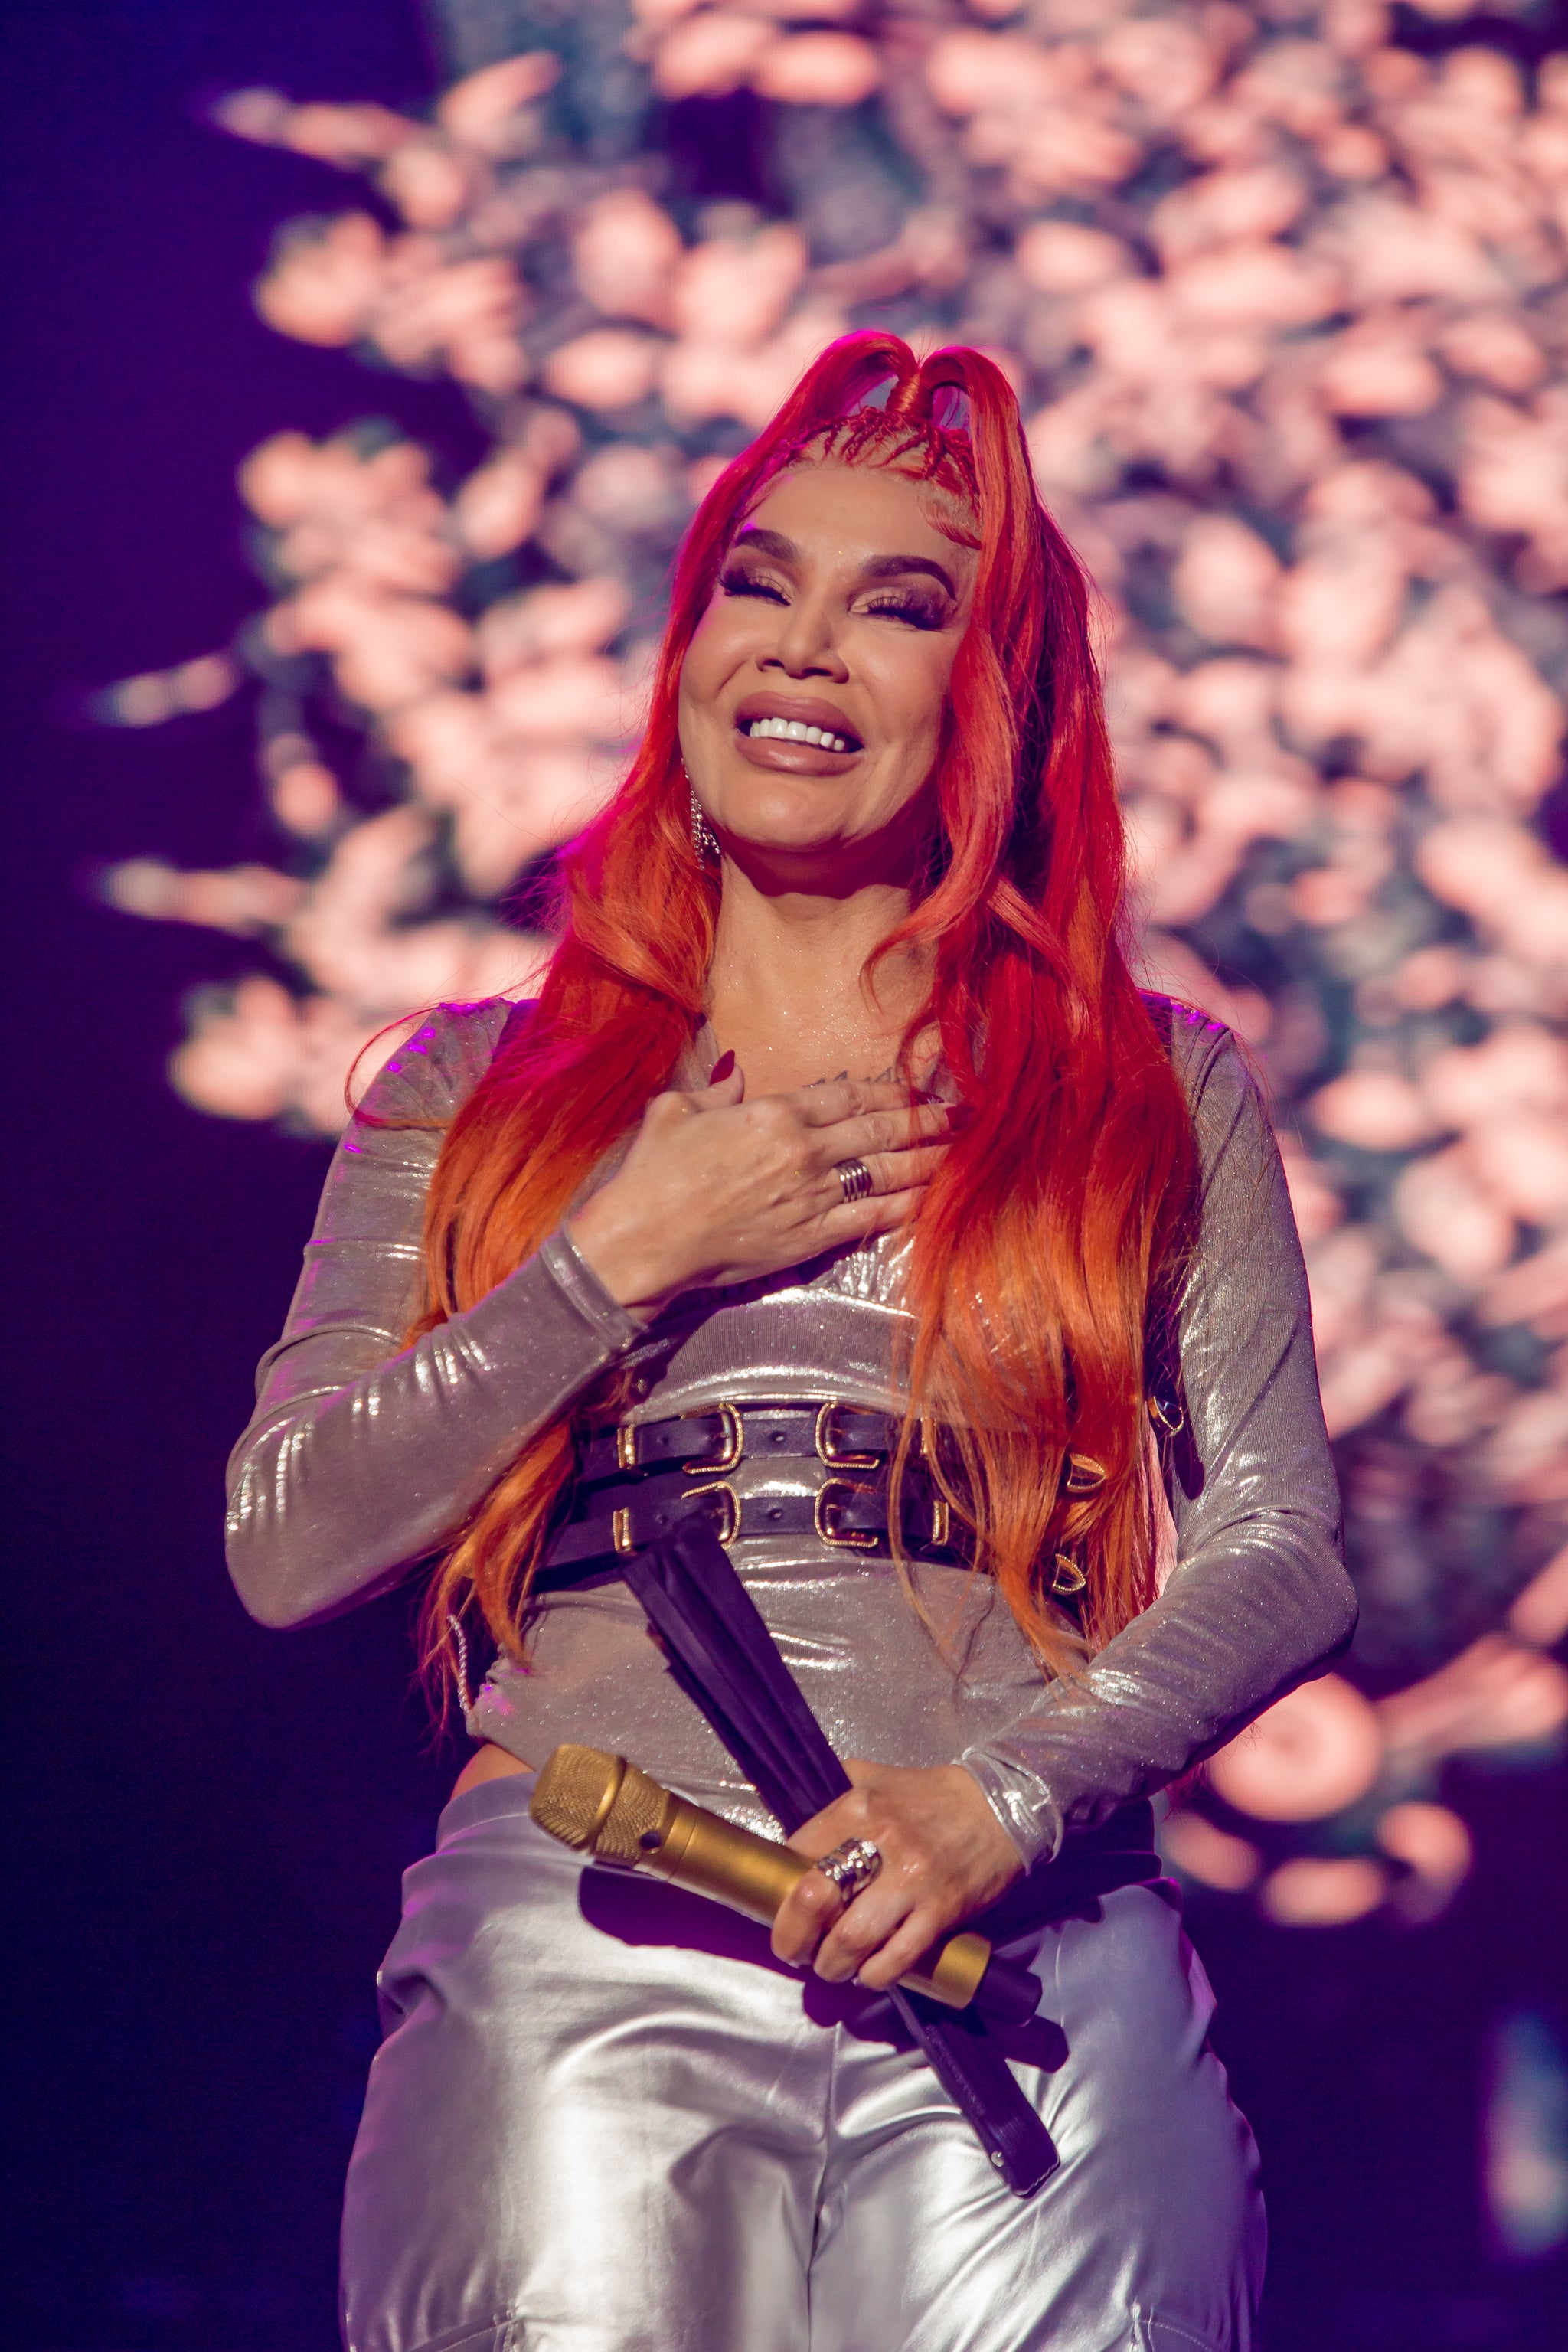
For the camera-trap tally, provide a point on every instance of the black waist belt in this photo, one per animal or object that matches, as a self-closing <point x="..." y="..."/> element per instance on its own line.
<point x="840" y="1436"/>
<point x="849" y="1514"/>
<point x="634" y="1487"/>
<point x="725" y="1659"/>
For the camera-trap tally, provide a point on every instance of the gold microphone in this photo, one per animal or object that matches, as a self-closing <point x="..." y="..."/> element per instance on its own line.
<point x="602" y="1805"/>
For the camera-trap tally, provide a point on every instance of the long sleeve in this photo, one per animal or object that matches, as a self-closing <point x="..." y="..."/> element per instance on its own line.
<point x="364" y="1455"/>
<point x="1258" y="1596"/>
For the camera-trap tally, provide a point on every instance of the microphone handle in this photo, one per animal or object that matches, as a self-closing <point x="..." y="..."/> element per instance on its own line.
<point x="694" y="1848"/>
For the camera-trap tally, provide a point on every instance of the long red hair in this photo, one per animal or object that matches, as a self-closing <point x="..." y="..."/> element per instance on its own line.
<point x="1056" y="1221"/>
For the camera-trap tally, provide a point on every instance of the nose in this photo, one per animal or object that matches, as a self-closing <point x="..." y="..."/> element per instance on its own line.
<point x="806" y="645"/>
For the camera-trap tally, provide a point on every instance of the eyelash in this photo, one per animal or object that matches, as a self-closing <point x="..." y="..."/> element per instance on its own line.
<point x="745" y="583"/>
<point x="914" y="610"/>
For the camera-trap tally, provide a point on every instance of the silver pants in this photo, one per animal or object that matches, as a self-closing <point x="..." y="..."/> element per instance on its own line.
<point x="604" y="2120"/>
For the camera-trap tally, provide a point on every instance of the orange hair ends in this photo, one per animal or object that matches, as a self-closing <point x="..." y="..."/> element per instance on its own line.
<point x="1060" y="1213"/>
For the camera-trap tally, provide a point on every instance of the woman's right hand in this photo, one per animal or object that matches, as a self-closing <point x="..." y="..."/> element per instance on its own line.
<point x="716" y="1189"/>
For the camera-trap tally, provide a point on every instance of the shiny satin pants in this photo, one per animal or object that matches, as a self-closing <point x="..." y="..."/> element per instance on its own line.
<point x="604" y="2119"/>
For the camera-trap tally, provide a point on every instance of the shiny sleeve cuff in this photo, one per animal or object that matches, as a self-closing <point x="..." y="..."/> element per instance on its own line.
<point x="1021" y="1802"/>
<point x="576" y="1278"/>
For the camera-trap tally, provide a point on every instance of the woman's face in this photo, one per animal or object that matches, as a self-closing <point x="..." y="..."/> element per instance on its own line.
<point x="837" y="614"/>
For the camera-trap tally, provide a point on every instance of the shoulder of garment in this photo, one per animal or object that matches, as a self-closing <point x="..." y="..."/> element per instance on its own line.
<point x="433" y="1067"/>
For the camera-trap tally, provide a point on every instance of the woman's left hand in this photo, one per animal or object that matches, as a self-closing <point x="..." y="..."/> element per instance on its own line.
<point x="946" y="1855"/>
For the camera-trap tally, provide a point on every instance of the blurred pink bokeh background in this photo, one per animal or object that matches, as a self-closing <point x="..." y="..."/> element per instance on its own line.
<point x="1287" y="305"/>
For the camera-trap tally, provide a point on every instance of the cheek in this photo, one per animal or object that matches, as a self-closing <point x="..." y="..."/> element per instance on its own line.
<point x="717" y="647"/>
<point x="912" y="695"/>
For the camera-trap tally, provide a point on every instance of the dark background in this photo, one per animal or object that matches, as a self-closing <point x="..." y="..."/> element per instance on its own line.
<point x="211" y="1818"/>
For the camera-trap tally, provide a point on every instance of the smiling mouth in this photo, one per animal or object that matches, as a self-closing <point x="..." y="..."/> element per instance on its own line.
<point x="795" y="730"/>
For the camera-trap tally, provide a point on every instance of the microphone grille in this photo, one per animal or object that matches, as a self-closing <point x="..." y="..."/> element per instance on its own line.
<point x="574" y="1790"/>
<point x="637" y="1813"/>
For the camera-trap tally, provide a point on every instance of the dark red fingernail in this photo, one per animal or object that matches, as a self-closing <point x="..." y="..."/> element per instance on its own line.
<point x="721" y="1070"/>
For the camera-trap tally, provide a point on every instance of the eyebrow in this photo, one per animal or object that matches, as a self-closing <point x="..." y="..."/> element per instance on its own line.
<point x="754" y="538"/>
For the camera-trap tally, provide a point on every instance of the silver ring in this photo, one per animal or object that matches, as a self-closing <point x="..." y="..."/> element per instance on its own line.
<point x="855" y="1178"/>
<point x="851" y="1866"/>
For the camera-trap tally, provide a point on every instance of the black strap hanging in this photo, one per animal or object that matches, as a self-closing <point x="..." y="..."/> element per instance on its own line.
<point x="729" y="1664"/>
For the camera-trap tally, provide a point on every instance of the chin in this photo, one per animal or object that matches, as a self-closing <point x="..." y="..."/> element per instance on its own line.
<point x="783" y="820"/>
<point x="787" y="840"/>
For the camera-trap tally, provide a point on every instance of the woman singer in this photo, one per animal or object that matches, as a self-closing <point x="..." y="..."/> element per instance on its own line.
<point x="841" y="1177"/>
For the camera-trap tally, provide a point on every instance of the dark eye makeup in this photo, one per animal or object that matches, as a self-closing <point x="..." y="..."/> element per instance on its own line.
<point x="736" y="581"/>
<point x="920" y="612"/>
<point x="909" y="605"/>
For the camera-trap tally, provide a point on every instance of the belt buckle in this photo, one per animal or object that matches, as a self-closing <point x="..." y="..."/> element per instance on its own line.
<point x="841" y="1539"/>
<point x="621" y="1532"/>
<point x="734" y="1445"/>
<point x="730" y="1527"/>
<point x="827" y="1453"/>
<point x="940" y="1535"/>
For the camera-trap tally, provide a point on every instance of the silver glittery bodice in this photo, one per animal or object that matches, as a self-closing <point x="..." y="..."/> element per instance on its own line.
<point x="362" y="1457"/>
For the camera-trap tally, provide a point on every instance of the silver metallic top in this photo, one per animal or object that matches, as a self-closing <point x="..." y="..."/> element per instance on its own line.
<point x="362" y="1457"/>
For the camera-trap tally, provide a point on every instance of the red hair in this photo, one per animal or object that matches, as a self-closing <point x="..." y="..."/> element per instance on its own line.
<point x="1056" y="1221"/>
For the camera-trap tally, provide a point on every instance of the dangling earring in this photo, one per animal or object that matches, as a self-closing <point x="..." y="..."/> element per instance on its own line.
<point x="704" y="840"/>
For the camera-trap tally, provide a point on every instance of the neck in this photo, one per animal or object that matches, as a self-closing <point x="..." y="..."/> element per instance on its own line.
<point x="786" y="988"/>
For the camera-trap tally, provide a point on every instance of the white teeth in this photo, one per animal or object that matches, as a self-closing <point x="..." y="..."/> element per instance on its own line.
<point x="795" y="730"/>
